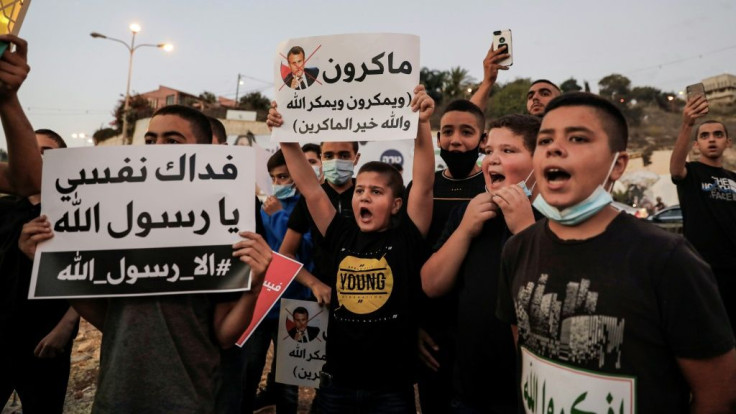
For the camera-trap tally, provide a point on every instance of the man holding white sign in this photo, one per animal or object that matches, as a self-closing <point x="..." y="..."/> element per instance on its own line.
<point x="161" y="353"/>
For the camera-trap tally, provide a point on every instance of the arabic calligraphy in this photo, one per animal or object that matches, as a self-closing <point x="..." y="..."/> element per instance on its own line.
<point x="349" y="104"/>
<point x="348" y="69"/>
<point x="329" y="124"/>
<point x="167" y="173"/>
<point x="206" y="265"/>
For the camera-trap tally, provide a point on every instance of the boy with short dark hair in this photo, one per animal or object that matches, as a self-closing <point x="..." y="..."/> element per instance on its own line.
<point x="610" y="313"/>
<point x="466" y="263"/>
<point x="374" y="275"/>
<point x="707" y="194"/>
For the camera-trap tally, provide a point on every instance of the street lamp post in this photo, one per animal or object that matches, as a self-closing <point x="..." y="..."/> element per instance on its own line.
<point x="237" y="89"/>
<point x="132" y="47"/>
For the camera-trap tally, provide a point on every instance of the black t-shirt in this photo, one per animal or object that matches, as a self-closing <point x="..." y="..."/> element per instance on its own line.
<point x="28" y="320"/>
<point x="484" y="368"/>
<point x="375" y="286"/>
<point x="447" y="193"/>
<point x="621" y="305"/>
<point x="708" y="201"/>
<point x="301" y="221"/>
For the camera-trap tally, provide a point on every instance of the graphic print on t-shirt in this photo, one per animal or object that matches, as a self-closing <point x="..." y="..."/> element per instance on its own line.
<point x="567" y="329"/>
<point x="721" y="188"/>
<point x="364" y="285"/>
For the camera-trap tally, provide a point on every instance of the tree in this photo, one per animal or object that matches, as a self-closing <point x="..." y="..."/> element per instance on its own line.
<point x="254" y="101"/>
<point x="3" y="155"/>
<point x="434" y="81"/>
<point x="570" y="85"/>
<point x="208" y="97"/>
<point x="645" y="94"/>
<point x="509" y="99"/>
<point x="139" y="108"/>
<point x="615" y="87"/>
<point x="457" y="83"/>
<point x="104" y="133"/>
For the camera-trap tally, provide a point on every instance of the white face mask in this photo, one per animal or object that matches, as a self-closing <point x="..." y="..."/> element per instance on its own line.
<point x="581" y="211"/>
<point x="523" y="186"/>
<point x="338" y="172"/>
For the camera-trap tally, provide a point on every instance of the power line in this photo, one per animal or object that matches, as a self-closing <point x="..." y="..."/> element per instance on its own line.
<point x="699" y="56"/>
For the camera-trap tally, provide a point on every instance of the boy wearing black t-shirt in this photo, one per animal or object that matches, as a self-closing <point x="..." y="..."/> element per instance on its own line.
<point x="467" y="262"/>
<point x="707" y="194"/>
<point x="375" y="266"/>
<point x="611" y="314"/>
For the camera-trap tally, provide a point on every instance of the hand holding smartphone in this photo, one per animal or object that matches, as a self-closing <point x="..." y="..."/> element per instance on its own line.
<point x="502" y="38"/>
<point x="696" y="89"/>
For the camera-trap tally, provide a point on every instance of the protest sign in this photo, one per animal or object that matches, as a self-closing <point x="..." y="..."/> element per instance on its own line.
<point x="280" y="274"/>
<point x="351" y="87"/>
<point x="301" y="343"/>
<point x="144" y="220"/>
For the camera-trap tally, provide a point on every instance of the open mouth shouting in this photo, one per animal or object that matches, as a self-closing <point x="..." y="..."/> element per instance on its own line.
<point x="365" y="215"/>
<point x="497" y="179"/>
<point x="556" y="177"/>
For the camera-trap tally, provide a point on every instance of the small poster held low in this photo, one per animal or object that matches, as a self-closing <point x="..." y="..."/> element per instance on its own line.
<point x="302" y="342"/>
<point x="351" y="87"/>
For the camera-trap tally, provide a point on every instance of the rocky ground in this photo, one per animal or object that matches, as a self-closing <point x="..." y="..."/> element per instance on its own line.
<point x="83" y="377"/>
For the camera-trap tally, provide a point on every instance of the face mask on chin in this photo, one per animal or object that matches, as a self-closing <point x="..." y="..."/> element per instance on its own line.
<point x="460" y="164"/>
<point x="338" y="172"/>
<point x="581" y="211"/>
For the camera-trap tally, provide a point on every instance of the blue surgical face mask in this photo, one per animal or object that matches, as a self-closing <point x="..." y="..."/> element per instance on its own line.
<point x="581" y="211"/>
<point x="523" y="186"/>
<point x="338" y="172"/>
<point x="284" y="191"/>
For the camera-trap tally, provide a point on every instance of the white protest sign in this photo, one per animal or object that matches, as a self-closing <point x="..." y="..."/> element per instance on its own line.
<point x="351" y="87"/>
<point x="301" y="343"/>
<point x="551" y="387"/>
<point x="144" y="220"/>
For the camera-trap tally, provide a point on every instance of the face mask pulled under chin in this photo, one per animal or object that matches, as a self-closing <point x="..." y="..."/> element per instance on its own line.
<point x="460" y="164"/>
<point x="581" y="211"/>
<point x="338" y="172"/>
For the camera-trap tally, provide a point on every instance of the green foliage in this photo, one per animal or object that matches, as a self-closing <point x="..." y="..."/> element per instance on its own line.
<point x="254" y="101"/>
<point x="3" y="155"/>
<point x="104" y="133"/>
<point x="510" y="98"/>
<point x="434" y="82"/>
<point x="570" y="85"/>
<point x="139" y="108"/>
<point x="615" y="87"/>
<point x="457" y="83"/>
<point x="208" y="97"/>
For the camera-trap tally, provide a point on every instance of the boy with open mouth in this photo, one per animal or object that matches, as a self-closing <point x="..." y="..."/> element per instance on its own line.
<point x="371" y="351"/>
<point x="610" y="314"/>
<point x="467" y="261"/>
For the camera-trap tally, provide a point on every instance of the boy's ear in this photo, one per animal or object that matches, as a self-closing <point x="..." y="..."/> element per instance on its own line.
<point x="396" y="206"/>
<point x="621" y="162"/>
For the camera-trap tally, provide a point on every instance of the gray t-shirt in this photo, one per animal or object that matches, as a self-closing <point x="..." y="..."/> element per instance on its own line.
<point x="158" y="355"/>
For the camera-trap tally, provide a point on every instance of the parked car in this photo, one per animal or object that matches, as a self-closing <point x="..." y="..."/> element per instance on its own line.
<point x="669" y="218"/>
<point x="634" y="211"/>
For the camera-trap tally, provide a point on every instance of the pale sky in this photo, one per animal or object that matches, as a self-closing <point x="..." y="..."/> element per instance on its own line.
<point x="76" y="80"/>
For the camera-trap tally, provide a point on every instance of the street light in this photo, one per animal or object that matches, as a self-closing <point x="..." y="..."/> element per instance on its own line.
<point x="132" y="47"/>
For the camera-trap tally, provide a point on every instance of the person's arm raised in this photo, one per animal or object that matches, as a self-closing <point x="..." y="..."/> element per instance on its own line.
<point x="490" y="74"/>
<point x="695" y="108"/>
<point x="319" y="204"/>
<point x="419" y="205"/>
<point x="21" y="175"/>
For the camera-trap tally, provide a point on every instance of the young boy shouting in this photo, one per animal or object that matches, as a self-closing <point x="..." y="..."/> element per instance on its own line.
<point x="371" y="350"/>
<point x="468" y="260"/>
<point x="611" y="314"/>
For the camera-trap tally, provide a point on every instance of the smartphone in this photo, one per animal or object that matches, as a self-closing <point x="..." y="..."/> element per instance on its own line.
<point x="503" y="38"/>
<point x="696" y="89"/>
